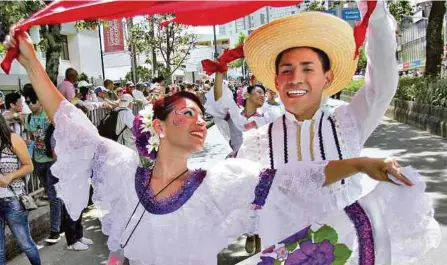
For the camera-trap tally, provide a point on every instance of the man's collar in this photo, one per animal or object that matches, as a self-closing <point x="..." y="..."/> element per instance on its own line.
<point x="291" y="117"/>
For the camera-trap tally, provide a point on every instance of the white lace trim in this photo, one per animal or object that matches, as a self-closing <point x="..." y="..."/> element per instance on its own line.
<point x="76" y="139"/>
<point x="409" y="217"/>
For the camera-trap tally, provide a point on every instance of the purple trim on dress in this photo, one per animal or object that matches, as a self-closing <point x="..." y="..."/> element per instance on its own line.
<point x="364" y="233"/>
<point x="171" y="203"/>
<point x="263" y="188"/>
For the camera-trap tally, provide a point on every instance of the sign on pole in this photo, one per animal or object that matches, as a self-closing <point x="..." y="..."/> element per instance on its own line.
<point x="113" y="36"/>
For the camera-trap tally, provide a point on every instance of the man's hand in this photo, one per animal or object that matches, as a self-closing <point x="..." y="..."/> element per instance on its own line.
<point x="379" y="169"/>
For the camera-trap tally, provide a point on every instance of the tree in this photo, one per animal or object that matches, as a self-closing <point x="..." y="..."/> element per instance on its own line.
<point x="362" y="60"/>
<point x="400" y="10"/>
<point x="171" y="41"/>
<point x="240" y="62"/>
<point x="12" y="12"/>
<point x="51" y="44"/>
<point x="435" y="44"/>
<point x="83" y="76"/>
<point x="143" y="73"/>
<point x="320" y="5"/>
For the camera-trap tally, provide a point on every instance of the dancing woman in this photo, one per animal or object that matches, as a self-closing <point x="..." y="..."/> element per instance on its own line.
<point x="165" y="214"/>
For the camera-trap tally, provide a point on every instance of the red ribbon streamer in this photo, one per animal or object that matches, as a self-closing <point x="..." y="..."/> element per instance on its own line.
<point x="361" y="27"/>
<point x="221" y="65"/>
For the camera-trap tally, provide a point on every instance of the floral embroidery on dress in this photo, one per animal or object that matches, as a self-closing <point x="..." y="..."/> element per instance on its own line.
<point x="318" y="247"/>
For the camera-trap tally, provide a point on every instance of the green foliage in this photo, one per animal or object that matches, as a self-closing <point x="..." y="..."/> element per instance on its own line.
<point x="239" y="62"/>
<point x="173" y="42"/>
<point x="2" y="49"/>
<point x="12" y="12"/>
<point x="83" y="76"/>
<point x="362" y="60"/>
<point x="419" y="89"/>
<point x="355" y="85"/>
<point x="320" y="5"/>
<point x="88" y="24"/>
<point x="143" y="73"/>
<point x="408" y="87"/>
<point x="400" y="9"/>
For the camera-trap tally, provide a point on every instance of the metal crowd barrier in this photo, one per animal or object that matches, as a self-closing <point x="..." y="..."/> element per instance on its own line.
<point x="33" y="186"/>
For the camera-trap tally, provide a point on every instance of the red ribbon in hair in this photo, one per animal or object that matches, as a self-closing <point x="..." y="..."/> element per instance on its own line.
<point x="221" y="65"/>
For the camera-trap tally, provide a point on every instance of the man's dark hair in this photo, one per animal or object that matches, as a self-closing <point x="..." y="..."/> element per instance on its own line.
<point x="12" y="98"/>
<point x="325" y="62"/>
<point x="108" y="82"/>
<point x="28" y="92"/>
<point x="68" y="72"/>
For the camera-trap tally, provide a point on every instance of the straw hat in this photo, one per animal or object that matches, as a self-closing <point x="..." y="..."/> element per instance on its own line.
<point x="308" y="29"/>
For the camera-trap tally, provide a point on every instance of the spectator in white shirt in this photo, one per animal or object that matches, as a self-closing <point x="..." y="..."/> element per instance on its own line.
<point x="125" y="122"/>
<point x="138" y="93"/>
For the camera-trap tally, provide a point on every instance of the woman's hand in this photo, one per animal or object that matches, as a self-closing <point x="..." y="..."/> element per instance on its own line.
<point x="5" y="180"/>
<point x="22" y="41"/>
<point x="379" y="169"/>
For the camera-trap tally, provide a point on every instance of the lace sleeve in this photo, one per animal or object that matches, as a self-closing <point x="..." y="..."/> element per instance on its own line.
<point x="81" y="154"/>
<point x="408" y="217"/>
<point x="231" y="184"/>
<point x="76" y="140"/>
<point x="295" y="199"/>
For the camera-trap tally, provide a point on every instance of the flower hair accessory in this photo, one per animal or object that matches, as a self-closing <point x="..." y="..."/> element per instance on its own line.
<point x="146" y="140"/>
<point x="242" y="95"/>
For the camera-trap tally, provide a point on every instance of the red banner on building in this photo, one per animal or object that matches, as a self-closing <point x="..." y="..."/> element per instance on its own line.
<point x="113" y="36"/>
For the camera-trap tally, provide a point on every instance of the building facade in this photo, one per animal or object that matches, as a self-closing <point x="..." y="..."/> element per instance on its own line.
<point x="80" y="50"/>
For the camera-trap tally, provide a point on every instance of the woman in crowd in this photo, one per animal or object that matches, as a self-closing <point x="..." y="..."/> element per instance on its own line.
<point x="165" y="214"/>
<point x="15" y="164"/>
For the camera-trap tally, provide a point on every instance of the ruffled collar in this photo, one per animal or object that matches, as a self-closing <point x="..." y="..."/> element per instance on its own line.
<point x="171" y="203"/>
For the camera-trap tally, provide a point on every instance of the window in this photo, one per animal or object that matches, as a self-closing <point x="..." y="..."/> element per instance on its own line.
<point x="262" y="19"/>
<point x="65" y="55"/>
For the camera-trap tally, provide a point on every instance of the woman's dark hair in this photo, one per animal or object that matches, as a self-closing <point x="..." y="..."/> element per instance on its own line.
<point x="84" y="93"/>
<point x="5" y="135"/>
<point x="11" y="98"/>
<point x="251" y="88"/>
<point x="325" y="62"/>
<point x="163" y="107"/>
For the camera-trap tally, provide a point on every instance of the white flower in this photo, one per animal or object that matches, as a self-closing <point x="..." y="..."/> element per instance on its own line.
<point x="147" y="115"/>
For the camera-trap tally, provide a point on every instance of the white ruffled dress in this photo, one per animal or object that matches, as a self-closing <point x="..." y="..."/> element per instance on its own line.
<point x="193" y="225"/>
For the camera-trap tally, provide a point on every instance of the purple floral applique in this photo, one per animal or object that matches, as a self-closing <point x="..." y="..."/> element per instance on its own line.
<point x="282" y="253"/>
<point x="269" y="250"/>
<point x="312" y="253"/>
<point x="266" y="261"/>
